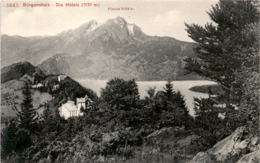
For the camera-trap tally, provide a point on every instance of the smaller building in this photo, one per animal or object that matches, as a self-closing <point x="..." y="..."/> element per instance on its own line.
<point x="83" y="102"/>
<point x="39" y="85"/>
<point x="222" y="115"/>
<point x="55" y="87"/>
<point x="61" y="77"/>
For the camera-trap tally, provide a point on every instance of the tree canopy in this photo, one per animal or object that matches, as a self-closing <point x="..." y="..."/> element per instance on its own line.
<point x="226" y="45"/>
<point x="121" y="94"/>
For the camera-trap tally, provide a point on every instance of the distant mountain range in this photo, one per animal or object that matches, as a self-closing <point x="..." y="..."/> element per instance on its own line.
<point x="102" y="51"/>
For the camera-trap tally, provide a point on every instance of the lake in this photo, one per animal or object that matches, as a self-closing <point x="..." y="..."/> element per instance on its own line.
<point x="143" y="86"/>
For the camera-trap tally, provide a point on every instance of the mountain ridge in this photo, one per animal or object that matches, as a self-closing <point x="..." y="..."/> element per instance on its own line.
<point x="115" y="48"/>
<point x="17" y="70"/>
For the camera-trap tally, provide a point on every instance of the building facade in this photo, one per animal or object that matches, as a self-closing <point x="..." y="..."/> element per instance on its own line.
<point x="69" y="109"/>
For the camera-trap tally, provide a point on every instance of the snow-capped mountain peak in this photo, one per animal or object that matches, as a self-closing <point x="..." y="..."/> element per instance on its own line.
<point x="130" y="28"/>
<point x="120" y="21"/>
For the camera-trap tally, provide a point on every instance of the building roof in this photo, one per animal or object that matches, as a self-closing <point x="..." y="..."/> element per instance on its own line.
<point x="62" y="76"/>
<point x="81" y="100"/>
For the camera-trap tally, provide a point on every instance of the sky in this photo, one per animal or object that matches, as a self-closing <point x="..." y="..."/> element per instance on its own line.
<point x="154" y="17"/>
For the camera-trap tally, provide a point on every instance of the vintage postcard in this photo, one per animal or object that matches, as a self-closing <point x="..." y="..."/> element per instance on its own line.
<point x="145" y="81"/>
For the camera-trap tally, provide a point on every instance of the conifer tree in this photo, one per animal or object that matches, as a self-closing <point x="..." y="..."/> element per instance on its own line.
<point x="179" y="100"/>
<point x="173" y="105"/>
<point x="224" y="46"/>
<point x="168" y="90"/>
<point x="27" y="116"/>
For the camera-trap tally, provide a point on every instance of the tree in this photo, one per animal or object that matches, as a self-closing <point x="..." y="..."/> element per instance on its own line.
<point x="151" y="92"/>
<point x="206" y="114"/>
<point x="223" y="47"/>
<point x="47" y="114"/>
<point x="249" y="108"/>
<point x="179" y="99"/>
<point x="50" y="122"/>
<point x="168" y="90"/>
<point x="17" y="135"/>
<point x="121" y="94"/>
<point x="166" y="97"/>
<point x="208" y="118"/>
<point x="171" y="107"/>
<point x="8" y="141"/>
<point x="27" y="116"/>
<point x="14" y="139"/>
<point x="248" y="78"/>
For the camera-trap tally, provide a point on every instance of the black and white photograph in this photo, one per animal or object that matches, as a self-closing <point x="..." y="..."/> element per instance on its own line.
<point x="130" y="81"/>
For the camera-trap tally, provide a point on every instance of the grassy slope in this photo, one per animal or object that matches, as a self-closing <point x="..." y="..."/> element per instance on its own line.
<point x="11" y="94"/>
